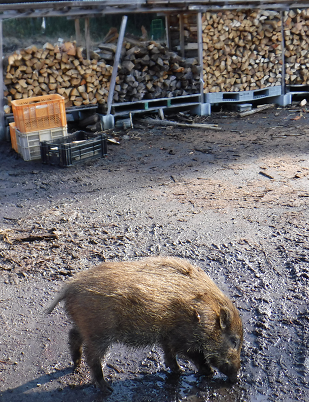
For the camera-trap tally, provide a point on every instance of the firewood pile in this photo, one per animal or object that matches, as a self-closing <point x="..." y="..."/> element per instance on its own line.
<point x="242" y="50"/>
<point x="296" y="32"/>
<point x="63" y="70"/>
<point x="149" y="71"/>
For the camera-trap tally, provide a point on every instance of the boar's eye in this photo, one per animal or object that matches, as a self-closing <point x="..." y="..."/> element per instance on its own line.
<point x="234" y="341"/>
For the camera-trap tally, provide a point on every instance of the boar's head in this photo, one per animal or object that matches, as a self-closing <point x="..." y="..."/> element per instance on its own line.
<point x="223" y="338"/>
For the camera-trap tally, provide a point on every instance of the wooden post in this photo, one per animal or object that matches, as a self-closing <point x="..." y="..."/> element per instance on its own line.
<point x="200" y="51"/>
<point x="2" y="124"/>
<point x="167" y="31"/>
<point x="77" y="32"/>
<point x="87" y="36"/>
<point x="181" y="35"/>
<point x="116" y="63"/>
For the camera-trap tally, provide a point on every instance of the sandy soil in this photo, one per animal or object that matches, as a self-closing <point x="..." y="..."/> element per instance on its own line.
<point x="233" y="202"/>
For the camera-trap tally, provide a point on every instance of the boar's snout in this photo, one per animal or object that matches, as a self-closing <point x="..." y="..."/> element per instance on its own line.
<point x="230" y="365"/>
<point x="230" y="371"/>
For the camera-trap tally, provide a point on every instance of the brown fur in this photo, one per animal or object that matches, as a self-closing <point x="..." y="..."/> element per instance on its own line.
<point x="162" y="300"/>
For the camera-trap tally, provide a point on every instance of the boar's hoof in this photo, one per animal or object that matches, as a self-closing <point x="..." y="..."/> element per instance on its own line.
<point x="105" y="388"/>
<point x="170" y="360"/>
<point x="75" y="343"/>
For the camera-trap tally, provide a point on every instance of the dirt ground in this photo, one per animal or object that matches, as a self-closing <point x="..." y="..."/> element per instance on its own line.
<point x="234" y="202"/>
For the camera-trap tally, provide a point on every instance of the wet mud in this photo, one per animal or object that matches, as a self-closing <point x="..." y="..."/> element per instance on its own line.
<point x="234" y="202"/>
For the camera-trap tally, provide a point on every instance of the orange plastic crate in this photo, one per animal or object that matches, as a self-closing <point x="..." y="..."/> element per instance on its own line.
<point x="39" y="113"/>
<point x="13" y="136"/>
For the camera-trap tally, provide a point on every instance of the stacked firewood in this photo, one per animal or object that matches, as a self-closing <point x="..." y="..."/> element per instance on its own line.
<point x="242" y="50"/>
<point x="296" y="34"/>
<point x="56" y="69"/>
<point x="149" y="70"/>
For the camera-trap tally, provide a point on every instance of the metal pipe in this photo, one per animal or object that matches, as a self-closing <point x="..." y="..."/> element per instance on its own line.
<point x="116" y="63"/>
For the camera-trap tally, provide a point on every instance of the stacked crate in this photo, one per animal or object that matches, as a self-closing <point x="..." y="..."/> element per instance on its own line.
<point x="13" y="136"/>
<point x="38" y="119"/>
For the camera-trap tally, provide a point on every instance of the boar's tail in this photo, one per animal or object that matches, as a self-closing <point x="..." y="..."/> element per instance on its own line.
<point x="60" y="296"/>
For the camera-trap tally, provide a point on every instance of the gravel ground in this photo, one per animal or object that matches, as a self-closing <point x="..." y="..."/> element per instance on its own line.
<point x="233" y="202"/>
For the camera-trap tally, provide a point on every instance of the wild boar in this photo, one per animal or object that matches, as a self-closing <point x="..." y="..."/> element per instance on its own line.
<point x="161" y="300"/>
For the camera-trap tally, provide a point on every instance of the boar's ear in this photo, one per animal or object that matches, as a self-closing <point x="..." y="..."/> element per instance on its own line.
<point x="225" y="318"/>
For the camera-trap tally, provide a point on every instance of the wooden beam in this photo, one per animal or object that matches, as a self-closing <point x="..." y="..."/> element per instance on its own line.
<point x="167" y="31"/>
<point x="282" y="54"/>
<point x="181" y="36"/>
<point x="200" y="51"/>
<point x="94" y="12"/>
<point x="77" y="32"/>
<point x="116" y="63"/>
<point x="87" y="37"/>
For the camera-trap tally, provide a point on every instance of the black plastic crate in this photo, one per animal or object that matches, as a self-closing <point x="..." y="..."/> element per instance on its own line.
<point x="75" y="148"/>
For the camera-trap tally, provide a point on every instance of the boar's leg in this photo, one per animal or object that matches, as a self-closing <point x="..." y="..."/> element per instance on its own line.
<point x="93" y="354"/>
<point x="170" y="358"/>
<point x="75" y="343"/>
<point x="200" y="362"/>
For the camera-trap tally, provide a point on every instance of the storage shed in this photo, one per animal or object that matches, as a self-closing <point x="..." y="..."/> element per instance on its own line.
<point x="228" y="51"/>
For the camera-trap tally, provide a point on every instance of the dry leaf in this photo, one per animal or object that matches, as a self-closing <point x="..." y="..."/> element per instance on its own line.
<point x="303" y="102"/>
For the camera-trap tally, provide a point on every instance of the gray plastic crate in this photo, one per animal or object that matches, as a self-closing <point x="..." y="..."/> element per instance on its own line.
<point x="29" y="143"/>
